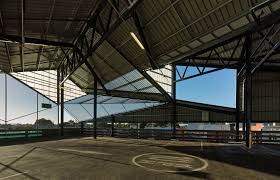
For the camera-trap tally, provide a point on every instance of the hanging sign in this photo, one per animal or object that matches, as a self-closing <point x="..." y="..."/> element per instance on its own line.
<point x="45" y="105"/>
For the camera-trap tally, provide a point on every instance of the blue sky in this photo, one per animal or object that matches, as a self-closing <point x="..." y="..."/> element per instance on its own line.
<point x="22" y="101"/>
<point x="216" y="88"/>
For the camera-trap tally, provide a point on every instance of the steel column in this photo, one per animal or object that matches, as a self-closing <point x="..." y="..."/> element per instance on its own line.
<point x="244" y="123"/>
<point x="95" y="107"/>
<point x="57" y="94"/>
<point x="62" y="110"/>
<point x="6" y="101"/>
<point x="112" y="126"/>
<point x="22" y="34"/>
<point x="237" y="101"/>
<point x="82" y="127"/>
<point x="173" y="92"/>
<point x="37" y="113"/>
<point x="248" y="92"/>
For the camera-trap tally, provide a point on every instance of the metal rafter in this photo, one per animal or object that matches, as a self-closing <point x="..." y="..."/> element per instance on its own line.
<point x="6" y="44"/>
<point x="207" y="72"/>
<point x="145" y="74"/>
<point x="33" y="41"/>
<point x="273" y="49"/>
<point x="83" y="57"/>
<point x="129" y="94"/>
<point x="144" y="40"/>
<point x="256" y="55"/>
<point x="203" y="72"/>
<point x="95" y="75"/>
<point x="253" y="28"/>
<point x="44" y="35"/>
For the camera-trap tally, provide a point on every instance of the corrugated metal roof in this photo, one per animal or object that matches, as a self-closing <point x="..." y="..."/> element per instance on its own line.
<point x="173" y="29"/>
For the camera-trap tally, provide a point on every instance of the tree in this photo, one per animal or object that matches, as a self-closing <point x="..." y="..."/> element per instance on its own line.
<point x="71" y="123"/>
<point x="143" y="125"/>
<point x="44" y="124"/>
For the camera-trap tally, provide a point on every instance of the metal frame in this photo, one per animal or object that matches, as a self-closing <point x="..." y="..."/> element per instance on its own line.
<point x="248" y="92"/>
<point x="84" y="49"/>
<point x="129" y="94"/>
<point x="6" y="44"/>
<point x="237" y="108"/>
<point x="174" y="104"/>
<point x="143" y="39"/>
<point x="33" y="41"/>
<point x="76" y="54"/>
<point x="79" y="57"/>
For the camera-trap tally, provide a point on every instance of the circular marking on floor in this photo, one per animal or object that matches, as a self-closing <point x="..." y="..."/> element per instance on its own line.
<point x="170" y="162"/>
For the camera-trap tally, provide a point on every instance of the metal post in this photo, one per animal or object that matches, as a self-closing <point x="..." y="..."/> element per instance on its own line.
<point x="57" y="95"/>
<point x="173" y="92"/>
<point x="6" y="101"/>
<point x="112" y="126"/>
<point x="248" y="93"/>
<point x="244" y="126"/>
<point x="22" y="33"/>
<point x="37" y="113"/>
<point x="82" y="127"/>
<point x="95" y="106"/>
<point x="62" y="110"/>
<point x="237" y="101"/>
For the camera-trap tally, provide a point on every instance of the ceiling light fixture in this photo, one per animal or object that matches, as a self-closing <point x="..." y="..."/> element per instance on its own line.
<point x="137" y="40"/>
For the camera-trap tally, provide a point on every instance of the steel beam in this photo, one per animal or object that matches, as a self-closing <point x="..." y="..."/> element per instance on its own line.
<point x="207" y="72"/>
<point x="130" y="94"/>
<point x="95" y="75"/>
<point x="104" y="37"/>
<point x="242" y="32"/>
<point x="206" y="107"/>
<point x="144" y="40"/>
<point x="32" y="41"/>
<point x="268" y="55"/>
<point x="145" y="75"/>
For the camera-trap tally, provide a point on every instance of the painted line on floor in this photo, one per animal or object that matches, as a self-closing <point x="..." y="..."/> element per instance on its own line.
<point x="164" y="159"/>
<point x="14" y="175"/>
<point x="87" y="152"/>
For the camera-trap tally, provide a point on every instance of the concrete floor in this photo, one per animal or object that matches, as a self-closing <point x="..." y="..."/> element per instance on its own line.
<point x="112" y="158"/>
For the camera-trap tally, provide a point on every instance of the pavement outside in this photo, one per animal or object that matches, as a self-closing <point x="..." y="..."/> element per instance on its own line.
<point x="114" y="158"/>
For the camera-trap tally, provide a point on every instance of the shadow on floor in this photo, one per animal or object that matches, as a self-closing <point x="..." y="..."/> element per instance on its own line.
<point x="18" y="141"/>
<point x="233" y="155"/>
<point x="9" y="166"/>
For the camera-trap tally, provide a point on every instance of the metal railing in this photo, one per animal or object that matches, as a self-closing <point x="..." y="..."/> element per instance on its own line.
<point x="157" y="134"/>
<point x="13" y="134"/>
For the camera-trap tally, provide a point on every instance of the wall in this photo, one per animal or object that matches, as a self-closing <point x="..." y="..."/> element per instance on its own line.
<point x="266" y="96"/>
